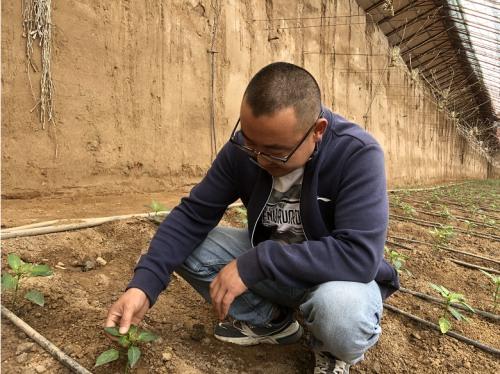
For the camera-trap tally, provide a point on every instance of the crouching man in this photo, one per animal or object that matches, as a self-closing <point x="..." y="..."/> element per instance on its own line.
<point x="314" y="187"/>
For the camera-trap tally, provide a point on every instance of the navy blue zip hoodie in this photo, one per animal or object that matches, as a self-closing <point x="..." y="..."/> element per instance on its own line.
<point x="343" y="206"/>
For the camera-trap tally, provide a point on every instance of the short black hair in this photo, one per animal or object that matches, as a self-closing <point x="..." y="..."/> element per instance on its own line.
<point x="281" y="85"/>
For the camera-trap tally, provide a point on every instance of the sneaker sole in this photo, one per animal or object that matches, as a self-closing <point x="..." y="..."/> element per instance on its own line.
<point x="290" y="335"/>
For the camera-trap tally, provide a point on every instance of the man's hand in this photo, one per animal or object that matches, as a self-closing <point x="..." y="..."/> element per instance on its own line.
<point x="128" y="309"/>
<point x="225" y="287"/>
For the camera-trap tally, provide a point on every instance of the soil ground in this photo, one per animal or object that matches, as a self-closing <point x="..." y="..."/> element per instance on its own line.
<point x="77" y="301"/>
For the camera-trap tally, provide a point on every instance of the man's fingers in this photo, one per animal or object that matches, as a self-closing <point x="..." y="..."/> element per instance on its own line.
<point x="113" y="317"/>
<point x="226" y="304"/>
<point x="126" y="320"/>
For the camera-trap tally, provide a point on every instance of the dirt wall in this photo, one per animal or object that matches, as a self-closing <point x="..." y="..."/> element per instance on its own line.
<point x="133" y="87"/>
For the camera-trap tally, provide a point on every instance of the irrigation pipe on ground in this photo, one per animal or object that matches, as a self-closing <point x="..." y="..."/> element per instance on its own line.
<point x="45" y="343"/>
<point x="48" y="227"/>
<point x="440" y="247"/>
<point x="463" y="263"/>
<point x="494" y="317"/>
<point x="406" y="199"/>
<point x="41" y="228"/>
<point x="473" y="266"/>
<point x="433" y="326"/>
<point x="430" y="224"/>
<point x="428" y="188"/>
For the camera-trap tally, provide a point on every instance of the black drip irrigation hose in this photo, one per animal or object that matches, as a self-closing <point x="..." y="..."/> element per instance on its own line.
<point x="461" y="209"/>
<point x="483" y="313"/>
<point x="458" y="262"/>
<point x="429" y="224"/>
<point x="440" y="247"/>
<point x="45" y="343"/>
<point x="475" y="343"/>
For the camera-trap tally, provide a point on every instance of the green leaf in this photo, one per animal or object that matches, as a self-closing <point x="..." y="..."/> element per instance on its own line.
<point x="8" y="282"/>
<point x="134" y="353"/>
<point x="35" y="297"/>
<point x="146" y="336"/>
<point x="444" y="325"/>
<point x="455" y="313"/>
<point x="41" y="271"/>
<point x="132" y="330"/>
<point x="471" y="309"/>
<point x="25" y="268"/>
<point x="438" y="288"/>
<point x="14" y="261"/>
<point x="106" y="357"/>
<point x="112" y="331"/>
<point x="123" y="341"/>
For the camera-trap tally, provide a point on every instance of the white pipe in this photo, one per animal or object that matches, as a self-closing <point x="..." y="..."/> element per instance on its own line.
<point x="45" y="343"/>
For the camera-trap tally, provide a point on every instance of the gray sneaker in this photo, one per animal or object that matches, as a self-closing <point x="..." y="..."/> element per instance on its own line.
<point x="242" y="333"/>
<point x="325" y="363"/>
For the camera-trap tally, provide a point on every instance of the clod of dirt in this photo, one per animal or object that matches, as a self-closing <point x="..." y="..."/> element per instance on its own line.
<point x="166" y="356"/>
<point x="101" y="261"/>
<point x="198" y="332"/>
<point x="25" y="347"/>
<point x="88" y="265"/>
<point x="22" y="358"/>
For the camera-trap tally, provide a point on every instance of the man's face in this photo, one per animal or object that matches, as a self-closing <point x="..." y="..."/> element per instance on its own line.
<point x="278" y="134"/>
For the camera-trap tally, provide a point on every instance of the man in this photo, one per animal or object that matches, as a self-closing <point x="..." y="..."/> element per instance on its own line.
<point x="315" y="192"/>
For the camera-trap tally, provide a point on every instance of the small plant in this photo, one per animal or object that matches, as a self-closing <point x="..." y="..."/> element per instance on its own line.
<point x="428" y="205"/>
<point x="156" y="207"/>
<point x="469" y="225"/>
<point x="20" y="270"/>
<point x="442" y="235"/>
<point x="397" y="260"/>
<point x="446" y="213"/>
<point x="128" y="346"/>
<point x="408" y="209"/>
<point x="449" y="298"/>
<point x="496" y="284"/>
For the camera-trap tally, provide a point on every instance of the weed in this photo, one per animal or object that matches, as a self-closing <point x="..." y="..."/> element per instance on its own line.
<point x="397" y="260"/>
<point x="20" y="270"/>
<point x="449" y="298"/>
<point x="428" y="205"/>
<point x="496" y="284"/>
<point x="128" y="345"/>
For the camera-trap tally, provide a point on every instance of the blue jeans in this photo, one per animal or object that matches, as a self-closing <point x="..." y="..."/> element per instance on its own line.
<point x="343" y="317"/>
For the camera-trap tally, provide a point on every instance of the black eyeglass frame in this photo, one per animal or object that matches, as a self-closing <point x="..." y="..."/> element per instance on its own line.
<point x="256" y="154"/>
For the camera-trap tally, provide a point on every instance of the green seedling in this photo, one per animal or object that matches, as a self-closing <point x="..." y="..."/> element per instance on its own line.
<point x="128" y="346"/>
<point x="396" y="200"/>
<point x="496" y="284"/>
<point x="469" y="225"/>
<point x="448" y="298"/>
<point x="442" y="235"/>
<point x="155" y="208"/>
<point x="408" y="209"/>
<point x="446" y="213"/>
<point x="428" y="205"/>
<point x="397" y="260"/>
<point x="20" y="270"/>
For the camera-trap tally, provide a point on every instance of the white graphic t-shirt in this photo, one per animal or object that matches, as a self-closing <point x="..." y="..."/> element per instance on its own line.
<point x="282" y="211"/>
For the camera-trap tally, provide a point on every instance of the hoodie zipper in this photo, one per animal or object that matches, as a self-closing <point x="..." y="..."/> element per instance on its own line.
<point x="262" y="210"/>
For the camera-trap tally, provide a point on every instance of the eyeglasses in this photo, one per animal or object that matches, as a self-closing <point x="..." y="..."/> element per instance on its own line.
<point x="254" y="153"/>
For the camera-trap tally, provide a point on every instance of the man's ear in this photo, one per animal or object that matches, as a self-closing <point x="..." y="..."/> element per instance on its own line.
<point x="320" y="129"/>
